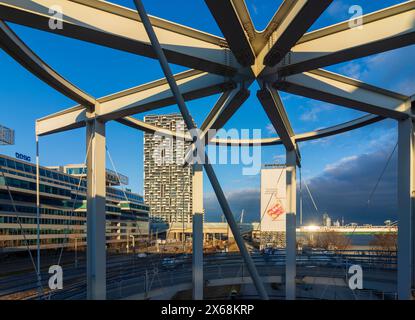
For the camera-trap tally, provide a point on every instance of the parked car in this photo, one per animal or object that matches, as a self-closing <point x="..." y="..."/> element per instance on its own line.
<point x="168" y="263"/>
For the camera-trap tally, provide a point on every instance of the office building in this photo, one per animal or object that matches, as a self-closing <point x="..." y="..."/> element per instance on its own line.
<point x="167" y="184"/>
<point x="63" y="208"/>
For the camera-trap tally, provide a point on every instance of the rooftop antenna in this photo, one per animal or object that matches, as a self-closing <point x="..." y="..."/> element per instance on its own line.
<point x="6" y="136"/>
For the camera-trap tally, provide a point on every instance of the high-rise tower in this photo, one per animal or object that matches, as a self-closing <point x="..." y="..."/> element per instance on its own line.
<point x="167" y="183"/>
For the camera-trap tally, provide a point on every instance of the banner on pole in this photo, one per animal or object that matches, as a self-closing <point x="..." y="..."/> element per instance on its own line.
<point x="273" y="199"/>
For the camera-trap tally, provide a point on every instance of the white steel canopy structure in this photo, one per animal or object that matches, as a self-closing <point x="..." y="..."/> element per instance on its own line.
<point x="283" y="57"/>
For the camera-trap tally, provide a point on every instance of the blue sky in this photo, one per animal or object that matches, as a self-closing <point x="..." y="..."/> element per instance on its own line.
<point x="101" y="71"/>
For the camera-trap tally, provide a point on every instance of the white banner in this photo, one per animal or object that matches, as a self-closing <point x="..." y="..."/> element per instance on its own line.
<point x="273" y="199"/>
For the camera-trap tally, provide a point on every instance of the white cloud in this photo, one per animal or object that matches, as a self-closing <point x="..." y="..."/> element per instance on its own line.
<point x="313" y="110"/>
<point x="381" y="70"/>
<point x="345" y="186"/>
<point x="341" y="163"/>
<point x="240" y="199"/>
<point x="270" y="129"/>
<point x="323" y="142"/>
<point x="279" y="158"/>
<point x="354" y="70"/>
<point x="254" y="8"/>
<point x="383" y="138"/>
<point x="310" y="115"/>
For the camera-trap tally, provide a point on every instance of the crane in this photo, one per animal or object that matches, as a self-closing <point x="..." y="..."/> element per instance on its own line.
<point x="241" y="220"/>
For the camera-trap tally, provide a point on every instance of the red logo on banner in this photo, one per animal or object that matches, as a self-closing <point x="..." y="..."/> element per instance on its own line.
<point x="276" y="211"/>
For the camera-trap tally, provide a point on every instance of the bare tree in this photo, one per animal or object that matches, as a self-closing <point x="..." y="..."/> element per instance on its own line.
<point x="385" y="241"/>
<point x="331" y="240"/>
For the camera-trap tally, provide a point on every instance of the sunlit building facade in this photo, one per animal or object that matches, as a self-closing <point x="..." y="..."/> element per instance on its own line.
<point x="62" y="209"/>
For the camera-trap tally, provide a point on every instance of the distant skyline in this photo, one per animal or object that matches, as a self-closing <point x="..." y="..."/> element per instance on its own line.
<point x="341" y="171"/>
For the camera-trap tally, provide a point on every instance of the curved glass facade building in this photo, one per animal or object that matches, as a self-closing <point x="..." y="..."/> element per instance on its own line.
<point x="63" y="209"/>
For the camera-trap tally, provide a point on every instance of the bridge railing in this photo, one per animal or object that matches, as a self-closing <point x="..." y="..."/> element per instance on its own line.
<point x="138" y="277"/>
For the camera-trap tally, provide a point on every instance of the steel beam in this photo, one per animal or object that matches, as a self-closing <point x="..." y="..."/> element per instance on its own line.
<point x="301" y="137"/>
<point x="232" y="28"/>
<point x="223" y="110"/>
<point x="263" y="37"/>
<point x="152" y="129"/>
<point x="338" y="129"/>
<point x="381" y="31"/>
<point x="246" y="20"/>
<point x="274" y="108"/>
<point x="406" y="210"/>
<point x="194" y="84"/>
<point x="291" y="237"/>
<point x="198" y="213"/>
<point x="20" y="52"/>
<point x="120" y="28"/>
<point x="65" y="120"/>
<point x="334" y="88"/>
<point x="299" y="17"/>
<point x="208" y="167"/>
<point x="96" y="189"/>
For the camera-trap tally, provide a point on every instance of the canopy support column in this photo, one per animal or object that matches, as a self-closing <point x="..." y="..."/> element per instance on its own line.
<point x="291" y="237"/>
<point x="96" y="189"/>
<point x="197" y="257"/>
<point x="406" y="175"/>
